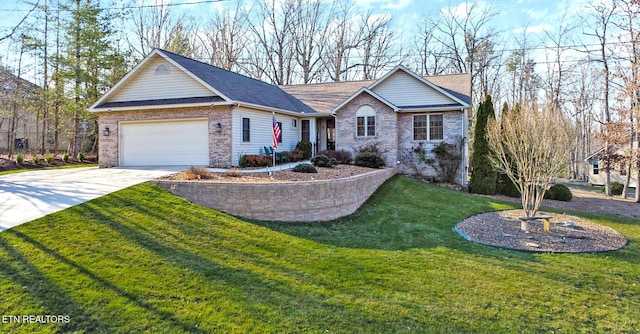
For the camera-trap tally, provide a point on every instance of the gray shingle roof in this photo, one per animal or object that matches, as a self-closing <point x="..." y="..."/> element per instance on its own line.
<point x="323" y="97"/>
<point x="240" y="88"/>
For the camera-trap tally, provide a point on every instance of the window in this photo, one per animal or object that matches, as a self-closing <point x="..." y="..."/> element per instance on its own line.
<point x="436" y="128"/>
<point x="162" y="69"/>
<point x="246" y="130"/>
<point x="281" y="133"/>
<point x="420" y="127"/>
<point x="366" y="122"/>
<point x="294" y="123"/>
<point x="596" y="167"/>
<point x="428" y="127"/>
<point x="306" y="130"/>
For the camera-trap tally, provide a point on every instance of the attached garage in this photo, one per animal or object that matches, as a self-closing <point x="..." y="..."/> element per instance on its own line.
<point x="164" y="143"/>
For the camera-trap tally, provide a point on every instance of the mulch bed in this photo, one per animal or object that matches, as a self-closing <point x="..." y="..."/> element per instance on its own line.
<point x="568" y="234"/>
<point x="10" y="164"/>
<point x="247" y="176"/>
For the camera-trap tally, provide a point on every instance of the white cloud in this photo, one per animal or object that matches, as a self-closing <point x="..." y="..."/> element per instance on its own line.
<point x="385" y="4"/>
<point x="533" y="29"/>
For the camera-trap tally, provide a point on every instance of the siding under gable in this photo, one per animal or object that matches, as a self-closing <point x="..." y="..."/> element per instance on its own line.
<point x="402" y="90"/>
<point x="146" y="85"/>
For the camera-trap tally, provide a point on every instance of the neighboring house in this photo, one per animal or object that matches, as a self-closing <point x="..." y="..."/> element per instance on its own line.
<point x="172" y="110"/>
<point x="596" y="175"/>
<point x="17" y="98"/>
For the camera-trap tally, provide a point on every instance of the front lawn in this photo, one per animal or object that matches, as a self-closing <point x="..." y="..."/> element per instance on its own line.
<point x="141" y="260"/>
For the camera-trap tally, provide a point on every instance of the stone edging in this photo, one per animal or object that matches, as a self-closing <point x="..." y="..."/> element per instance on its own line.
<point x="283" y="201"/>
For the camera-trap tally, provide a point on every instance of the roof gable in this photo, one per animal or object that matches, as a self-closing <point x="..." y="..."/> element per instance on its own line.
<point x="364" y="90"/>
<point x="239" y="88"/>
<point x="150" y="82"/>
<point x="407" y="90"/>
<point x="198" y="84"/>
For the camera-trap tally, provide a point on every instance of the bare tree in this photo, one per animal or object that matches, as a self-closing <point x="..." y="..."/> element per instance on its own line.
<point x="628" y="71"/>
<point x="525" y="83"/>
<point x="226" y="39"/>
<point x="272" y="27"/>
<point x="15" y="28"/>
<point x="531" y="147"/>
<point x="157" y="27"/>
<point x="430" y="51"/>
<point x="468" y="40"/>
<point x="310" y="37"/>
<point x="345" y="37"/>
<point x="378" y="50"/>
<point x="602" y="16"/>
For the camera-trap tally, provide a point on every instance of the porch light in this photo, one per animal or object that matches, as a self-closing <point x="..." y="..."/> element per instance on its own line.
<point x="106" y="131"/>
<point x="218" y="127"/>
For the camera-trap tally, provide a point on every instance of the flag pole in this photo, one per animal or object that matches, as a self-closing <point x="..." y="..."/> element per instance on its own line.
<point x="273" y="151"/>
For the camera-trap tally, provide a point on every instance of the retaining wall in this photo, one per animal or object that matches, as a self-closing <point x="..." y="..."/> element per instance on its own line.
<point x="285" y="201"/>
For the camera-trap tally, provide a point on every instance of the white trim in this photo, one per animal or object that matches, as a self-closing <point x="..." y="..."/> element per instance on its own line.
<point x="276" y="110"/>
<point x="428" y="128"/>
<point x="162" y="106"/>
<point x="360" y="91"/>
<point x="430" y="109"/>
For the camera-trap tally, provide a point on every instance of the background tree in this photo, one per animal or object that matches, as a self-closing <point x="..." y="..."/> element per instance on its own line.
<point x="531" y="148"/>
<point x="483" y="173"/>
<point x="226" y="39"/>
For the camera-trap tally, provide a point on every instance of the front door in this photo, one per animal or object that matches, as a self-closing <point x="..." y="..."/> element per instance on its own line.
<point x="331" y="134"/>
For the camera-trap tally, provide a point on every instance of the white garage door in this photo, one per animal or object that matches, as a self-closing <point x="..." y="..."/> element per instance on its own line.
<point x="165" y="143"/>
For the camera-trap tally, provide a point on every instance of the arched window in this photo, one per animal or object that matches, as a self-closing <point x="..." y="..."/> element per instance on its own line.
<point x="366" y="121"/>
<point x="162" y="69"/>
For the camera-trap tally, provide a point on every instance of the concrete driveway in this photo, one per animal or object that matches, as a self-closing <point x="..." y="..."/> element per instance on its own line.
<point x="30" y="195"/>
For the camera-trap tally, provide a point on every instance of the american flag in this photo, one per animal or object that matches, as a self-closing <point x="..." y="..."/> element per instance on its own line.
<point x="276" y="132"/>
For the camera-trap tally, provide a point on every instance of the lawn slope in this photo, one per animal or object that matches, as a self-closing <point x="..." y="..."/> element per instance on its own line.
<point x="141" y="260"/>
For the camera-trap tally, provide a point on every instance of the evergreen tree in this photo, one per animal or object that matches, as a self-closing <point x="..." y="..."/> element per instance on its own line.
<point x="483" y="174"/>
<point x="90" y="60"/>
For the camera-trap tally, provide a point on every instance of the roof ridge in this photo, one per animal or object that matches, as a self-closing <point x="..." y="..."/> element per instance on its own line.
<point x="217" y="67"/>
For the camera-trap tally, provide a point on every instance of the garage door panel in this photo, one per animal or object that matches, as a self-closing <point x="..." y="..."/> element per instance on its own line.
<point x="165" y="143"/>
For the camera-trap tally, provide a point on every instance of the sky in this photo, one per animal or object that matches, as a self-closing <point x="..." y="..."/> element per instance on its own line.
<point x="512" y="16"/>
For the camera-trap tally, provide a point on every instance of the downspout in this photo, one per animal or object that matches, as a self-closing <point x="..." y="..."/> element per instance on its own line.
<point x="465" y="148"/>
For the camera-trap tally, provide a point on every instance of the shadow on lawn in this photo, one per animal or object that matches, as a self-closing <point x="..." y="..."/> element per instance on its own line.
<point x="256" y="291"/>
<point x="48" y="297"/>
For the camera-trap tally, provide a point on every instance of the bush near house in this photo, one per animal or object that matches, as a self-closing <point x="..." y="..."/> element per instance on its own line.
<point x="369" y="159"/>
<point x="559" y="192"/>
<point x="375" y="148"/>
<point x="294" y="156"/>
<point x="305" y="168"/>
<point x="255" y="160"/>
<point x="616" y="188"/>
<point x="306" y="148"/>
<point x="323" y="161"/>
<point x="342" y="156"/>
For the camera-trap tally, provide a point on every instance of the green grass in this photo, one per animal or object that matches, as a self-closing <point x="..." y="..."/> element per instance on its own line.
<point x="15" y="171"/>
<point x="141" y="260"/>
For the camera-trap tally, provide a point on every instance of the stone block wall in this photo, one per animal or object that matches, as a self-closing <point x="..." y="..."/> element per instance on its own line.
<point x="289" y="201"/>
<point x="219" y="141"/>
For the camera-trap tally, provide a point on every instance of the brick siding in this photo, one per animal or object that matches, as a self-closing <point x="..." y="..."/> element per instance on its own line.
<point x="219" y="142"/>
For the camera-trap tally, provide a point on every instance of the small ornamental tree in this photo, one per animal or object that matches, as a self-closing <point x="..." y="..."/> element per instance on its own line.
<point x="483" y="174"/>
<point x="532" y="147"/>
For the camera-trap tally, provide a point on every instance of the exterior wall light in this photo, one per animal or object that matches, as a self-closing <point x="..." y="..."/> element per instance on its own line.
<point x="106" y="131"/>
